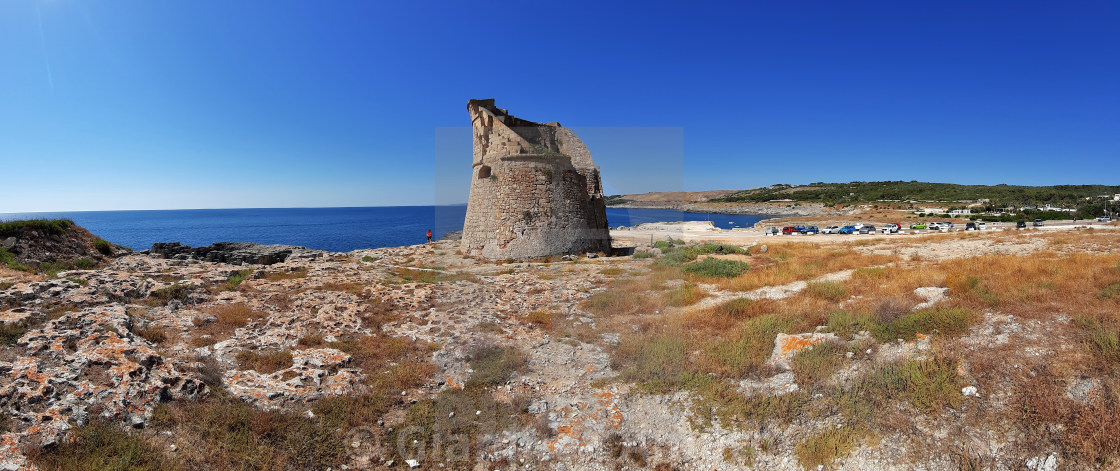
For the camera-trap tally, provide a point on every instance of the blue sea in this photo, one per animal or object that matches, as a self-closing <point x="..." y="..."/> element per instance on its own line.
<point x="333" y="229"/>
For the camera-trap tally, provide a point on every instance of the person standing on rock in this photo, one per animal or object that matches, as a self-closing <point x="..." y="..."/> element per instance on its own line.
<point x="429" y="236"/>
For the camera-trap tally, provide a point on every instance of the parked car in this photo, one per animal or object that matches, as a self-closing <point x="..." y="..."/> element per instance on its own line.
<point x="1104" y="219"/>
<point x="947" y="225"/>
<point x="847" y="230"/>
<point x="892" y="228"/>
<point x="831" y="230"/>
<point x="867" y="229"/>
<point x="810" y="230"/>
<point x="772" y="230"/>
<point x="981" y="225"/>
<point x="1021" y="225"/>
<point x="971" y="227"/>
<point x="918" y="225"/>
<point x="1037" y="223"/>
<point x="933" y="226"/>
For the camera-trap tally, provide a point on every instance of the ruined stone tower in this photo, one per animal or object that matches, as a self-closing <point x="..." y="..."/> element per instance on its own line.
<point x="534" y="190"/>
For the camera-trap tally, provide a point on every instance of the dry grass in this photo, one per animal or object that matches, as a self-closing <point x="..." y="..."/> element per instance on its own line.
<point x="223" y="433"/>
<point x="225" y="319"/>
<point x="540" y="319"/>
<point x="409" y="275"/>
<point x="789" y="262"/>
<point x="101" y="446"/>
<point x="1085" y="431"/>
<point x="264" y="362"/>
<point x="11" y="333"/>
<point x="391" y="364"/>
<point x="311" y="341"/>
<point x="152" y="333"/>
<point x="354" y="288"/>
<point x="175" y="292"/>
<point x="827" y="290"/>
<point x="294" y="273"/>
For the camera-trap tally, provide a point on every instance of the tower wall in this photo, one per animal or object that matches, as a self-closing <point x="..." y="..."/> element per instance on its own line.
<point x="527" y="199"/>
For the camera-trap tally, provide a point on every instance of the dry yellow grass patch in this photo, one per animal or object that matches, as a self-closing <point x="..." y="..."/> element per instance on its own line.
<point x="798" y="262"/>
<point x="227" y="318"/>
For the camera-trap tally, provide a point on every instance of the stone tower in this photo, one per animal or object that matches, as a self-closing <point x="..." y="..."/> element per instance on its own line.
<point x="534" y="190"/>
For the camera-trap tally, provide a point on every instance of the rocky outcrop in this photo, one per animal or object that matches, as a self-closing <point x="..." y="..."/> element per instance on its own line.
<point x="233" y="253"/>
<point x="82" y="364"/>
<point x="36" y="241"/>
<point x="535" y="191"/>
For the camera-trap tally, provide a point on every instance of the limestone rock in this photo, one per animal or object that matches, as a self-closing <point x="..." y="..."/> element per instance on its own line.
<point x="786" y="346"/>
<point x="83" y="359"/>
<point x="931" y="294"/>
<point x="1043" y="463"/>
<point x="233" y="253"/>
<point x="535" y="191"/>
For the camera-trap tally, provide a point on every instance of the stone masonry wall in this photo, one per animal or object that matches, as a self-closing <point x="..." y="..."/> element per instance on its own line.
<point x="532" y="206"/>
<point x="535" y="191"/>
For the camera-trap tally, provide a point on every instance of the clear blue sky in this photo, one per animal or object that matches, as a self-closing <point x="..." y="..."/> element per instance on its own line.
<point x="131" y="104"/>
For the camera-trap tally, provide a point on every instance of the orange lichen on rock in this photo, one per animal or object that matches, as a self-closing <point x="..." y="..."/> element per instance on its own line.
<point x="785" y="346"/>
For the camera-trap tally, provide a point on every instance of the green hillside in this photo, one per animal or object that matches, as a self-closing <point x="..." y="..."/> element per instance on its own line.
<point x="914" y="191"/>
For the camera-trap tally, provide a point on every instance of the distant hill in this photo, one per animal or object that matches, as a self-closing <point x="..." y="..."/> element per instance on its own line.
<point x="913" y="191"/>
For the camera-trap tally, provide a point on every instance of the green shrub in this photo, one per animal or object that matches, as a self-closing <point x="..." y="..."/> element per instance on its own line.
<point x="9" y="260"/>
<point x="226" y="433"/>
<point x="871" y="272"/>
<point x="929" y="385"/>
<point x="684" y="295"/>
<point x="676" y="256"/>
<point x="821" y="449"/>
<point x="52" y="268"/>
<point x="85" y="264"/>
<point x="236" y="278"/>
<point x="716" y="268"/>
<point x="48" y="226"/>
<point x="750" y="347"/>
<point x="103" y="246"/>
<point x="104" y="446"/>
<point x="829" y="290"/>
<point x="1112" y="291"/>
<point x="844" y="323"/>
<point x="814" y="365"/>
<point x="737" y="308"/>
<point x="1101" y="339"/>
<point x="494" y="365"/>
<point x="659" y="363"/>
<point x="165" y="295"/>
<point x="10" y="333"/>
<point x="944" y="321"/>
<point x="643" y="254"/>
<point x="718" y="398"/>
